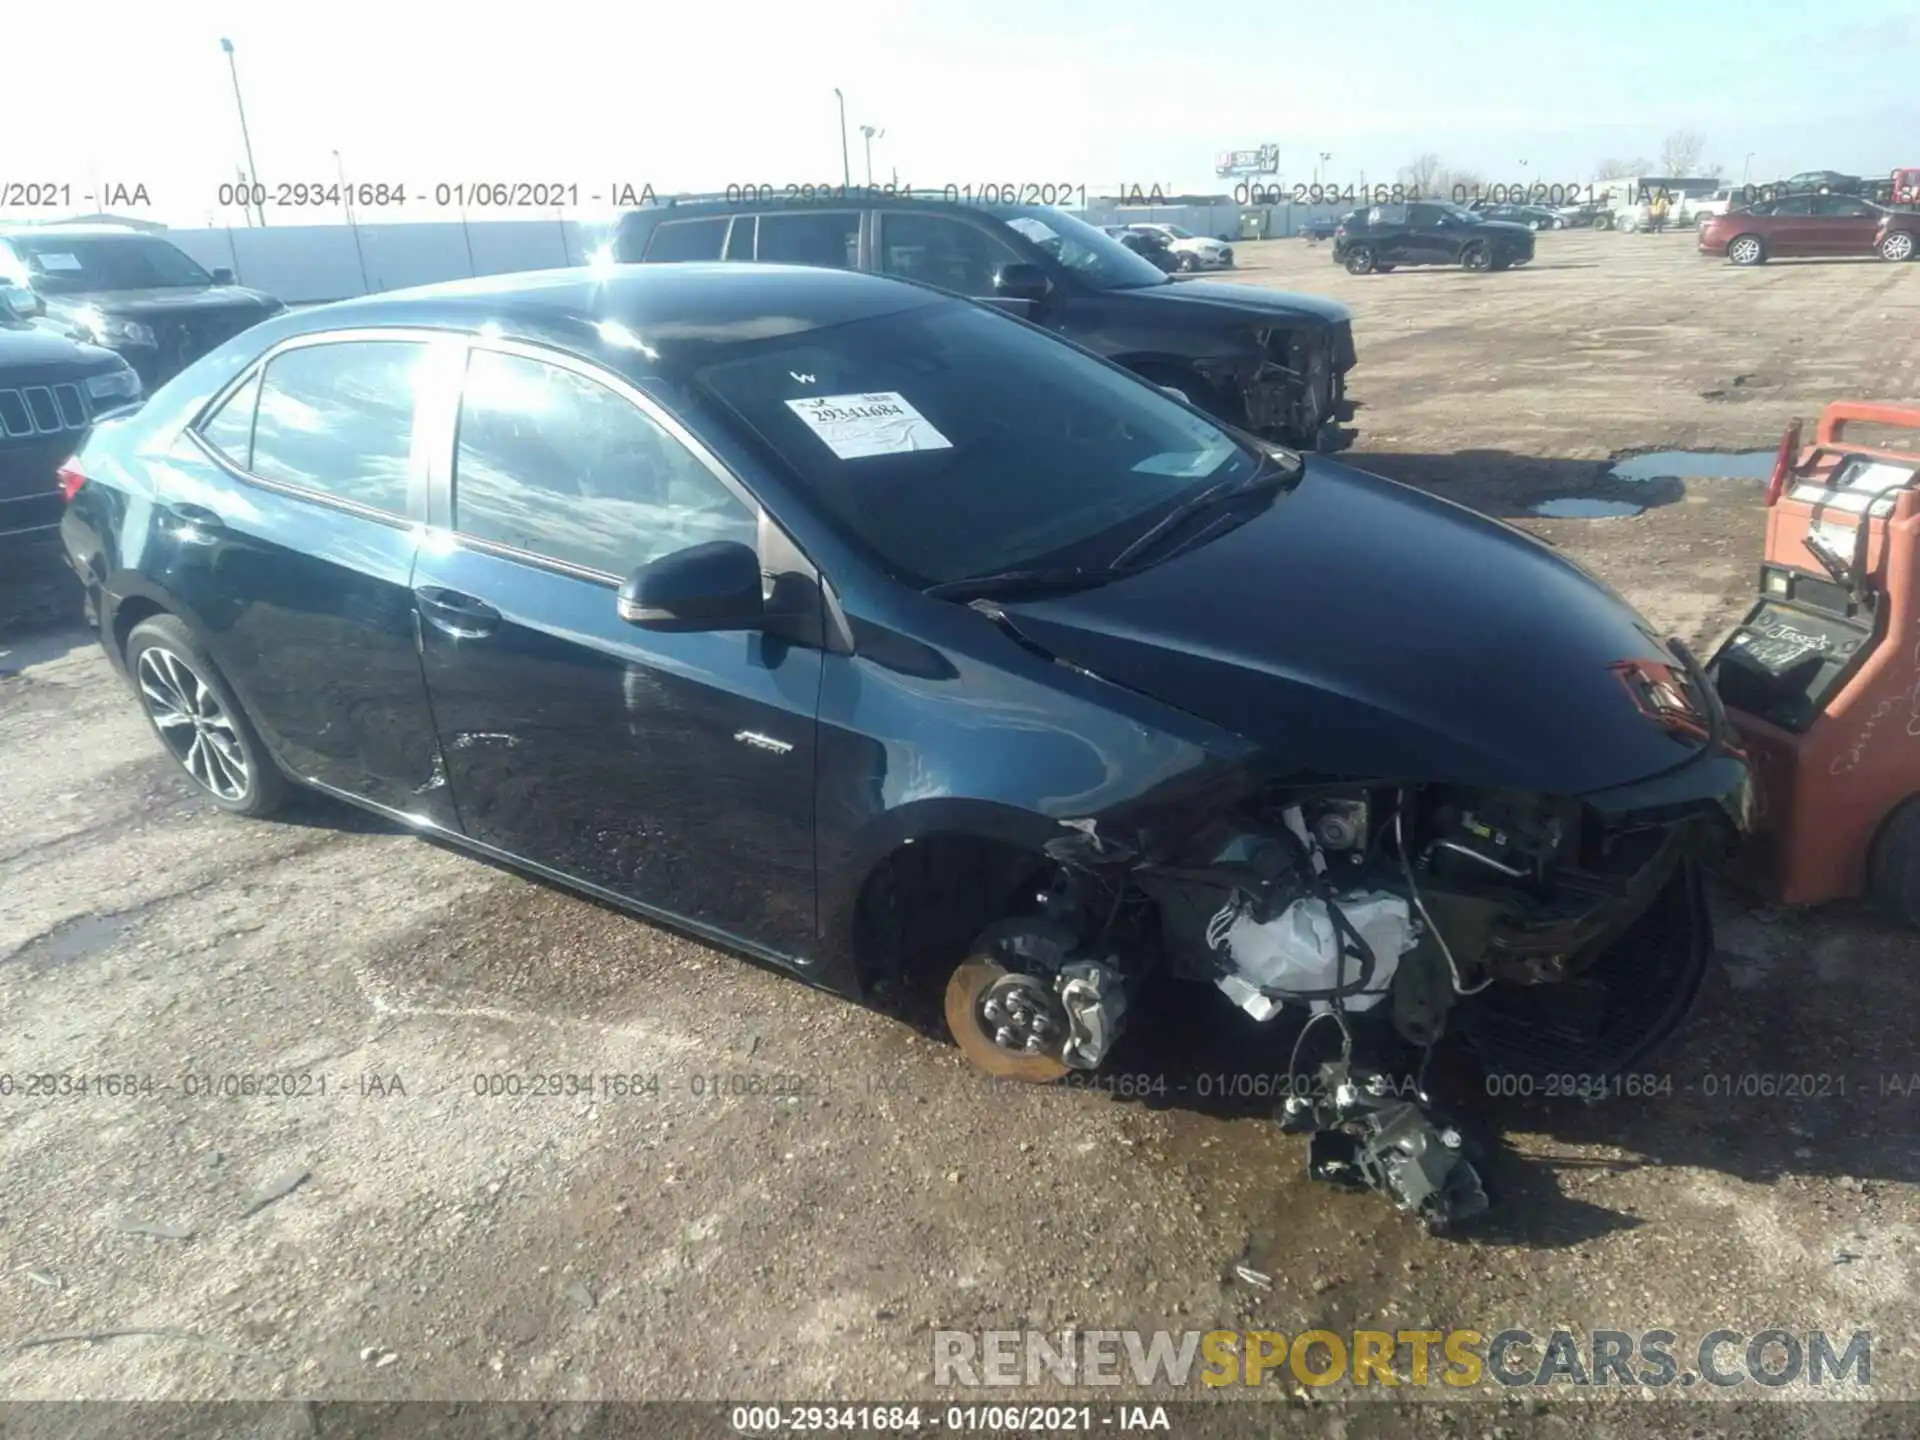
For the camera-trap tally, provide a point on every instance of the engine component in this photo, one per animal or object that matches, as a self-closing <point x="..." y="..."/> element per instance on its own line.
<point x="1303" y="954"/>
<point x="1094" y="998"/>
<point x="1340" y="825"/>
<point x="1365" y="1135"/>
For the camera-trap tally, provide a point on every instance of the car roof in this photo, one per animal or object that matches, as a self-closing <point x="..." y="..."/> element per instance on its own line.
<point x="34" y="232"/>
<point x="715" y="301"/>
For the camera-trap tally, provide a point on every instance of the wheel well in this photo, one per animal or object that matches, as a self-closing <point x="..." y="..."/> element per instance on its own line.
<point x="129" y="614"/>
<point x="924" y="904"/>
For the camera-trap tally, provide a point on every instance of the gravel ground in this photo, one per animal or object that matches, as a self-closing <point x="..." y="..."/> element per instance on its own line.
<point x="796" y="1192"/>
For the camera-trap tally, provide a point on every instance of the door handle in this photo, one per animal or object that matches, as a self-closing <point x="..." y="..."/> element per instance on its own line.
<point x="458" y="615"/>
<point x="194" y="524"/>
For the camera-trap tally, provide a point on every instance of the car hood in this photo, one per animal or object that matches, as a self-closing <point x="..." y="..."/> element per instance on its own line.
<point x="40" y="348"/>
<point x="1253" y="301"/>
<point x="167" y="302"/>
<point x="1359" y="627"/>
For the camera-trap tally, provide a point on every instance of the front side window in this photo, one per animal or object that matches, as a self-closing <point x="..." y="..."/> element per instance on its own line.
<point x="948" y="440"/>
<point x="557" y="464"/>
<point x="828" y="238"/>
<point x="1794" y="205"/>
<point x="1090" y="253"/>
<point x="943" y="251"/>
<point x="1842" y="205"/>
<point x="687" y="240"/>
<point x="337" y="418"/>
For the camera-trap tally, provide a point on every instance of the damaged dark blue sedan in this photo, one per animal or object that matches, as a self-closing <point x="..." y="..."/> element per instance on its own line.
<point x="887" y="638"/>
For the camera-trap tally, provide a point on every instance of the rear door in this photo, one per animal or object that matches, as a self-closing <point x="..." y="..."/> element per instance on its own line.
<point x="1424" y="238"/>
<point x="674" y="771"/>
<point x="286" y="527"/>
<point x="1847" y="225"/>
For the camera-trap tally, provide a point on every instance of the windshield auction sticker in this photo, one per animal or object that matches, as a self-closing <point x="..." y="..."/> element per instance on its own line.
<point x="881" y="423"/>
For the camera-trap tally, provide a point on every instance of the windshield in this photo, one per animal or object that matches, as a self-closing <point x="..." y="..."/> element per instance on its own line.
<point x="1092" y="254"/>
<point x="1176" y="232"/>
<point x="949" y="441"/>
<point x="75" y="264"/>
<point x="1459" y="214"/>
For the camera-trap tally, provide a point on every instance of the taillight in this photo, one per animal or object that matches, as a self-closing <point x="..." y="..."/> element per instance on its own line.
<point x="1783" y="463"/>
<point x="71" y="478"/>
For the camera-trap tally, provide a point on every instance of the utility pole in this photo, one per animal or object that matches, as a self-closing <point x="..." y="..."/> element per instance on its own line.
<point x="846" y="164"/>
<point x="253" y="175"/>
<point x="346" y="199"/>
<point x="871" y="135"/>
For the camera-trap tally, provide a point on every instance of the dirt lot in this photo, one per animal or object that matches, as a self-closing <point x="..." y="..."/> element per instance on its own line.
<point x="812" y="1188"/>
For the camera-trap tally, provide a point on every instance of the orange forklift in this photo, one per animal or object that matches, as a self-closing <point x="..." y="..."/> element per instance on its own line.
<point x="1822" y="677"/>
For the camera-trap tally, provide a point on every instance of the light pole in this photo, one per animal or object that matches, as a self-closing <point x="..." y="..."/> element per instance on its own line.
<point x="1746" y="167"/>
<point x="346" y="199"/>
<point x="1526" y="192"/>
<point x="253" y="175"/>
<point x="1325" y="156"/>
<point x="846" y="165"/>
<point x="871" y="135"/>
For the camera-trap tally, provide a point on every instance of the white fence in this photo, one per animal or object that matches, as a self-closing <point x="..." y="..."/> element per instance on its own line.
<point x="302" y="263"/>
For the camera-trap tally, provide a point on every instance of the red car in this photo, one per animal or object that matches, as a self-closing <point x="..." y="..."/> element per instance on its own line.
<point x="1810" y="225"/>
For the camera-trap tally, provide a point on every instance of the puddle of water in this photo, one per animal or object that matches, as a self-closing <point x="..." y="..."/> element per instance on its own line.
<point x="1581" y="509"/>
<point x="1696" y="465"/>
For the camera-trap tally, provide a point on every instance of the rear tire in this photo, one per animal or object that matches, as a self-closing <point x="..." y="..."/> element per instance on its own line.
<point x="198" y="721"/>
<point x="1893" y="867"/>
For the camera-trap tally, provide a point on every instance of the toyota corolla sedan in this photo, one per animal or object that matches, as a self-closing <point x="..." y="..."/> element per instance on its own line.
<point x="884" y="637"/>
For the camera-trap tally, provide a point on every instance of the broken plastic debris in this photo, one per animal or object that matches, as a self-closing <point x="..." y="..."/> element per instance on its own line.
<point x="275" y="1189"/>
<point x="1254" y="1277"/>
<point x="154" y="1229"/>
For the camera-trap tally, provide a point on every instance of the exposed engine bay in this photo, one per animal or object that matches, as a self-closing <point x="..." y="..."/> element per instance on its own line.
<point x="1381" y="910"/>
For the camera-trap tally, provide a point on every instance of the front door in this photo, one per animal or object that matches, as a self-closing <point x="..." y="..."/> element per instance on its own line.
<point x="672" y="770"/>
<point x="1847" y="224"/>
<point x="949" y="252"/>
<point x="289" y="514"/>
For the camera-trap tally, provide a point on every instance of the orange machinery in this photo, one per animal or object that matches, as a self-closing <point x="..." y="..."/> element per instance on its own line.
<point x="1822" y="677"/>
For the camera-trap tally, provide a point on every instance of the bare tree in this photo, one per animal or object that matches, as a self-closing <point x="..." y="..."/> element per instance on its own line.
<point x="1613" y="169"/>
<point x="1421" y="172"/>
<point x="1715" y="171"/>
<point x="1680" y="153"/>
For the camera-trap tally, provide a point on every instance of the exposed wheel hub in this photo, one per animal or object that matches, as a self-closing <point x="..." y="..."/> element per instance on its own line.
<point x="1021" y="1016"/>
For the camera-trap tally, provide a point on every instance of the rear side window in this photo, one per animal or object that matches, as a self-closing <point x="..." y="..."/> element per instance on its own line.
<point x="557" y="464"/>
<point x="230" y="428"/>
<point x="824" y="238"/>
<point x="338" y="419"/>
<point x="688" y="240"/>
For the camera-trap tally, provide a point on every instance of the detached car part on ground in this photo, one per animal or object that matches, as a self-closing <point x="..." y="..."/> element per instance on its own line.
<point x="1270" y="361"/>
<point x="899" y="644"/>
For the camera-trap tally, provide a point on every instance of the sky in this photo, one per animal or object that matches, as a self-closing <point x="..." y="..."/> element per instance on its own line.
<point x="1100" y="93"/>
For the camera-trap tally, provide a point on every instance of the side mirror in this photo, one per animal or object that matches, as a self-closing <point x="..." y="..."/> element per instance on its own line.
<point x="222" y="275"/>
<point x="17" y="302"/>
<point x="714" y="586"/>
<point x="1019" y="280"/>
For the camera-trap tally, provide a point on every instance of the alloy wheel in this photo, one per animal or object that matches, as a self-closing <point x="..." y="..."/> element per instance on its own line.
<point x="1744" y="251"/>
<point x="193" y="723"/>
<point x="1897" y="246"/>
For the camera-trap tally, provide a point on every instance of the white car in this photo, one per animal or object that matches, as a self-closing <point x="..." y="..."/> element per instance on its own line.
<point x="1191" y="251"/>
<point x="1698" y="210"/>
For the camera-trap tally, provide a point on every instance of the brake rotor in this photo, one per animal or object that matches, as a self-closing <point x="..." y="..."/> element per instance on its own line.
<point x="967" y="993"/>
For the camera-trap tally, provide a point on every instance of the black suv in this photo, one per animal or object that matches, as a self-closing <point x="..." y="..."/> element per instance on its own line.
<point x="1269" y="361"/>
<point x="131" y="292"/>
<point x="51" y="390"/>
<point x="1428" y="232"/>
